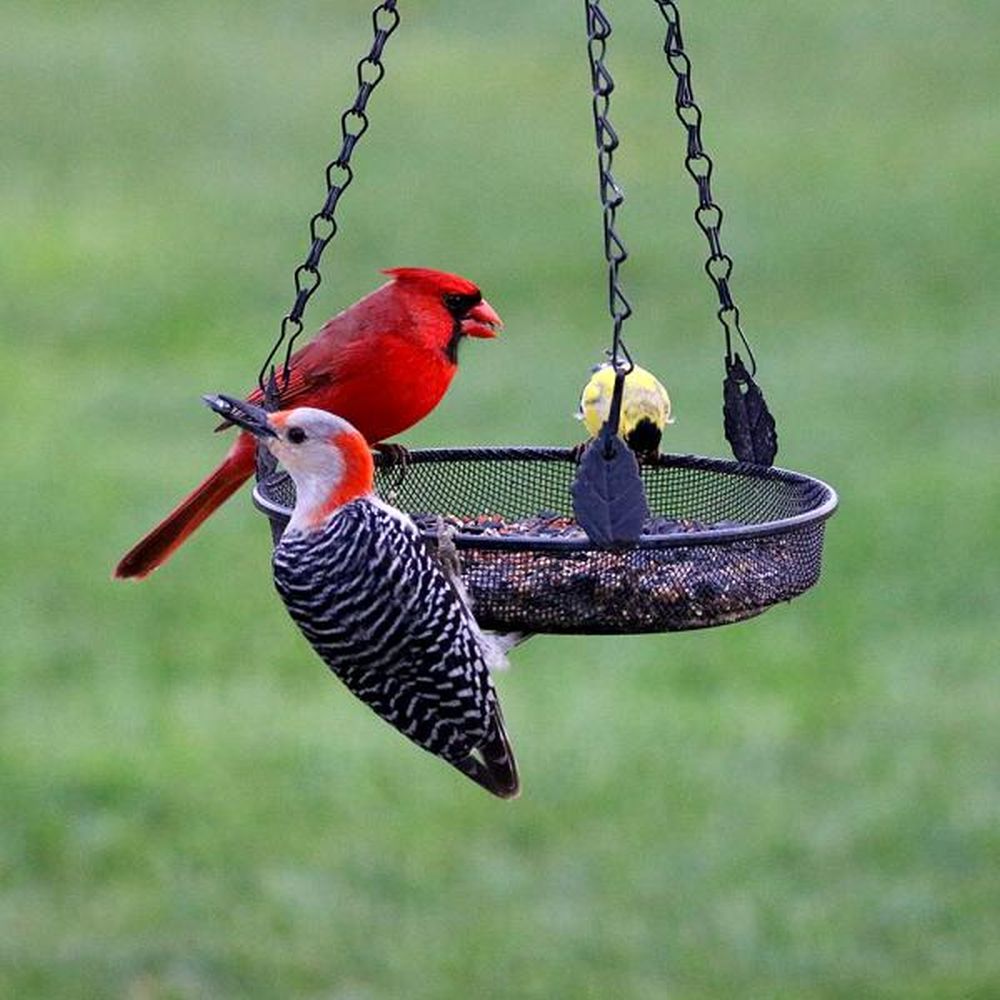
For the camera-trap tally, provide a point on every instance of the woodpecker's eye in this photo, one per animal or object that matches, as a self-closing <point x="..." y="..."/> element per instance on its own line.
<point x="296" y="435"/>
<point x="459" y="305"/>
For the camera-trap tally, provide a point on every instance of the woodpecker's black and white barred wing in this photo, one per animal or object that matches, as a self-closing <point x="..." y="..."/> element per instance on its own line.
<point x="375" y="605"/>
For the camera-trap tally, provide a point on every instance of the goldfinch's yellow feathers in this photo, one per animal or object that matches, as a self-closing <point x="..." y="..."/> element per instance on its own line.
<point x="644" y="399"/>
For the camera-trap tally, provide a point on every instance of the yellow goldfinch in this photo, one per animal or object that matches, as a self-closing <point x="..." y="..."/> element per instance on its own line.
<point x="645" y="407"/>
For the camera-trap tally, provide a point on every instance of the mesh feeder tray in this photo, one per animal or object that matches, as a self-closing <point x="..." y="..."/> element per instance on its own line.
<point x="725" y="540"/>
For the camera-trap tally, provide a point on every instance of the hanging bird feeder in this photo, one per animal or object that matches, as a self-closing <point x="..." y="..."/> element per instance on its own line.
<point x="551" y="542"/>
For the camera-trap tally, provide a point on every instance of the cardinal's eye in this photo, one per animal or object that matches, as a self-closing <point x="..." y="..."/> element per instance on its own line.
<point x="459" y="305"/>
<point x="296" y="435"/>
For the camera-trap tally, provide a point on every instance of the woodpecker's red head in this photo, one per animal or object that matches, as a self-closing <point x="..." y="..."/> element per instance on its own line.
<point x="445" y="307"/>
<point x="329" y="461"/>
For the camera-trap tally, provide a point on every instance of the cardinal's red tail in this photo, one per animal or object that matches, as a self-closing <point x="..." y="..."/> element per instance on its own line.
<point x="159" y="544"/>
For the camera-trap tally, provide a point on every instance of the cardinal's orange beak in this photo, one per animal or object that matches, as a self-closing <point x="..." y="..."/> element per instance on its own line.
<point x="481" y="321"/>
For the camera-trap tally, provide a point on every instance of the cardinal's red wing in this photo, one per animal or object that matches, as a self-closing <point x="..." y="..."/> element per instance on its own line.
<point x="301" y="389"/>
<point x="308" y="376"/>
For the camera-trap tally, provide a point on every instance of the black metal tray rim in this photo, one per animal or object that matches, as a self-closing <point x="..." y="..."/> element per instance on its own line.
<point x="826" y="496"/>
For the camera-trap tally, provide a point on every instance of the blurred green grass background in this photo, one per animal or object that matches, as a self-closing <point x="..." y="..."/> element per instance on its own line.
<point x="806" y="805"/>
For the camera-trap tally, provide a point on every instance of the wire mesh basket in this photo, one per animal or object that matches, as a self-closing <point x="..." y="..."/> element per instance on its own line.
<point x="725" y="540"/>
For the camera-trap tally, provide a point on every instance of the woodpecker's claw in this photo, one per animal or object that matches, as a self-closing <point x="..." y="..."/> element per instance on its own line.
<point x="447" y="553"/>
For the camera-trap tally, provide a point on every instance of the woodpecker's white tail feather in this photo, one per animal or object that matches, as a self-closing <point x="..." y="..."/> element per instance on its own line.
<point x="510" y="640"/>
<point x="498" y="644"/>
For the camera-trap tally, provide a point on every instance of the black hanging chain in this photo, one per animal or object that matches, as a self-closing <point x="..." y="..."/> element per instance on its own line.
<point x="339" y="174"/>
<point x="708" y="215"/>
<point x="609" y="500"/>
<point x="612" y="196"/>
<point x="748" y="424"/>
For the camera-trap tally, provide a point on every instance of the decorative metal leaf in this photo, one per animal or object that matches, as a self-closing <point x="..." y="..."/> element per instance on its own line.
<point x="749" y="425"/>
<point x="609" y="500"/>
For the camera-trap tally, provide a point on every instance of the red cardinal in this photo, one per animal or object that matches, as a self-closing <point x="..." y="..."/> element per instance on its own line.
<point x="382" y="365"/>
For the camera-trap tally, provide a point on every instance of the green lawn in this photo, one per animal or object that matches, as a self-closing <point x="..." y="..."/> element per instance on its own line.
<point x="806" y="805"/>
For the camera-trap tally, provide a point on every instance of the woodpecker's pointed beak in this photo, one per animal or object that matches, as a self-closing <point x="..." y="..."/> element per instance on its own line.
<point x="238" y="411"/>
<point x="481" y="321"/>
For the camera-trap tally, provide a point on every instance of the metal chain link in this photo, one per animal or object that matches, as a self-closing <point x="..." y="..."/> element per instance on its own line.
<point x="708" y="215"/>
<point x="339" y="174"/>
<point x="612" y="196"/>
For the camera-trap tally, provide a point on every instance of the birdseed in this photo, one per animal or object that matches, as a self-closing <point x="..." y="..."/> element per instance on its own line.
<point x="633" y="589"/>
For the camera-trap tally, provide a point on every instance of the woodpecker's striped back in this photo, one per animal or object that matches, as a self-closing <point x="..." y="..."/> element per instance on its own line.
<point x="376" y="606"/>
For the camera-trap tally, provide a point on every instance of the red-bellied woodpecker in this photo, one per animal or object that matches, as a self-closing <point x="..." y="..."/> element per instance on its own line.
<point x="374" y="603"/>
